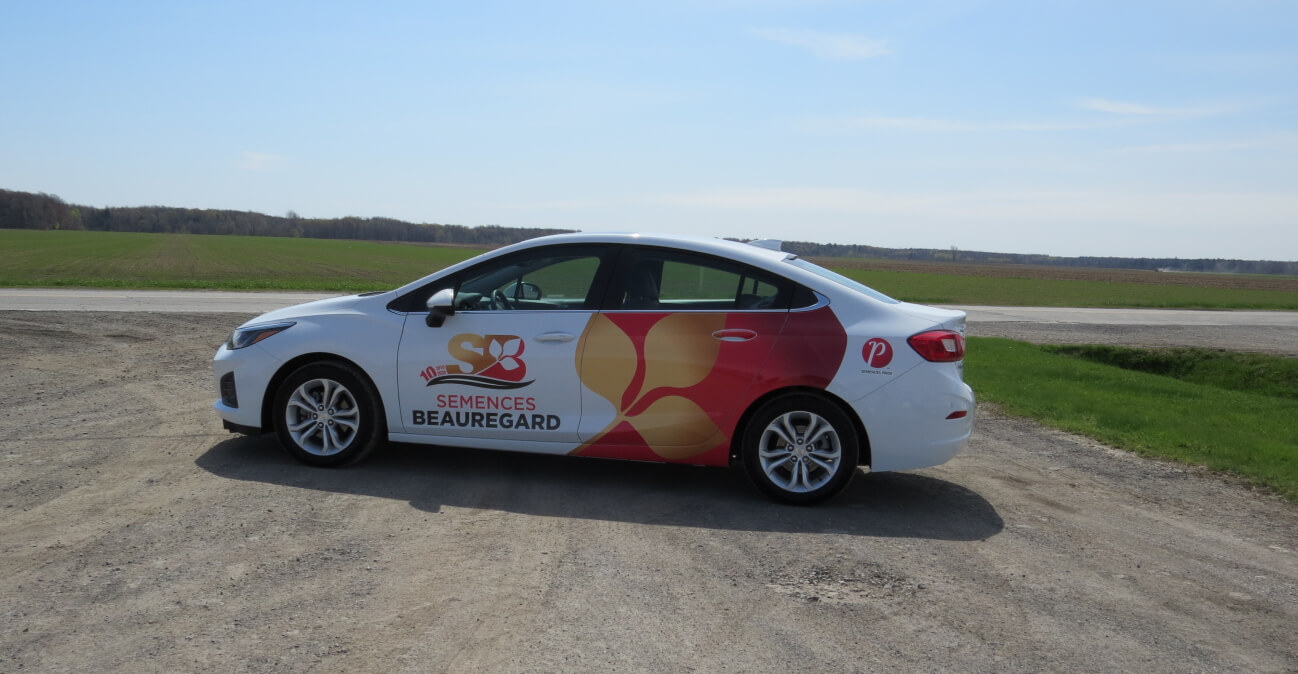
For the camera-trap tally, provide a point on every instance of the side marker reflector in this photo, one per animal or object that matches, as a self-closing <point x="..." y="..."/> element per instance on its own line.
<point x="957" y="415"/>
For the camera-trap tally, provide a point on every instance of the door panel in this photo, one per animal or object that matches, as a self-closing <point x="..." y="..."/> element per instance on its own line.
<point x="507" y="375"/>
<point x="504" y="364"/>
<point x="668" y="370"/>
<point x="671" y="383"/>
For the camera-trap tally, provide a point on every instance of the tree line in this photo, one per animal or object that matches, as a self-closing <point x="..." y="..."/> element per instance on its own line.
<point x="25" y="210"/>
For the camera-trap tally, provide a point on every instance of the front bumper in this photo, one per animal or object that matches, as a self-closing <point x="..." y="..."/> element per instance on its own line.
<point x="251" y="368"/>
<point x="246" y="430"/>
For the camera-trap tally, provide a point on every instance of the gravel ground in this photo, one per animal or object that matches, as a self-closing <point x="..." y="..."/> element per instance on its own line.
<point x="137" y="535"/>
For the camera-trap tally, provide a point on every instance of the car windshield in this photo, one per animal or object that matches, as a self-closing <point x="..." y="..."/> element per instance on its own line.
<point x="841" y="280"/>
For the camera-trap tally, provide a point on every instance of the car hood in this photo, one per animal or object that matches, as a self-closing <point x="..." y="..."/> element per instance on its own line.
<point x="332" y="305"/>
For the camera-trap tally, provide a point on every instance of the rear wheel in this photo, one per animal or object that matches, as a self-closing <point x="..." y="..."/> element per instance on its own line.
<point x="800" y="449"/>
<point x="327" y="414"/>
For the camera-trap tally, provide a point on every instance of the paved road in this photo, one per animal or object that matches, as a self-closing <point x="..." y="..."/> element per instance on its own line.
<point x="982" y="314"/>
<point x="205" y="301"/>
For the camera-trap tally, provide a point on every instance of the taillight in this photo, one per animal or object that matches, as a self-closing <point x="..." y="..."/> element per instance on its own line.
<point x="939" y="346"/>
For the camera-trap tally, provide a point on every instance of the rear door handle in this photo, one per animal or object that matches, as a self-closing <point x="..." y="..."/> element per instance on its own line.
<point x="734" y="335"/>
<point x="555" y="337"/>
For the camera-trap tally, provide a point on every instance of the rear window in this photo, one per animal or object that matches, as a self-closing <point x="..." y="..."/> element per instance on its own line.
<point x="841" y="280"/>
<point x="657" y="279"/>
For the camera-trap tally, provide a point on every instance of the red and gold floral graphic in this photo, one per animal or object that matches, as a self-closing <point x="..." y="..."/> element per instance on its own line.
<point x="680" y="381"/>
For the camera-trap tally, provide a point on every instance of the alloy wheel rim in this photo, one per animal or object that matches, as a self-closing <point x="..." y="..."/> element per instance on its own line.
<point x="322" y="417"/>
<point x="800" y="451"/>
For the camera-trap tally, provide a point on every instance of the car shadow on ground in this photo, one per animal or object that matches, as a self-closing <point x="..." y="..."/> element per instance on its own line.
<point x="897" y="505"/>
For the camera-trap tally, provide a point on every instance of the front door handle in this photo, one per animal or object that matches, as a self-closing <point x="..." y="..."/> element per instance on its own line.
<point x="555" y="337"/>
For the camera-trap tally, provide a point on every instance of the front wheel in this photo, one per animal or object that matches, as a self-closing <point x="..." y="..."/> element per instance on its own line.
<point x="800" y="449"/>
<point x="327" y="414"/>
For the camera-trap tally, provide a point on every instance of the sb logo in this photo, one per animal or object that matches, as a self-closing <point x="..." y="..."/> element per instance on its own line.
<point x="494" y="356"/>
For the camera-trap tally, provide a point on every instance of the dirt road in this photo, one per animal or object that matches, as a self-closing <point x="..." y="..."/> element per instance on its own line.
<point x="136" y="535"/>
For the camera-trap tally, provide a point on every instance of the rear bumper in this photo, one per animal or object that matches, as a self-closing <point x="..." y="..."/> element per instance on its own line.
<point x="909" y="422"/>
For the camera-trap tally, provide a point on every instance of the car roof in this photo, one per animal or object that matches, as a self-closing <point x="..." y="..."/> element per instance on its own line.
<point x="757" y="256"/>
<point x="702" y="244"/>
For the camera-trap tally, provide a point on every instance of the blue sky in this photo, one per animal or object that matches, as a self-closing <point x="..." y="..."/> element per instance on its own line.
<point x="1159" y="129"/>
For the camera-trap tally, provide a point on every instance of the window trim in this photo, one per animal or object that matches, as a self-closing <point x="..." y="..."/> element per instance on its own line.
<point x="414" y="301"/>
<point x="788" y="288"/>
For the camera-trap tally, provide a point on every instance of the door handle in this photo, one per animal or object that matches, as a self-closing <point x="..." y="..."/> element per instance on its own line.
<point x="555" y="337"/>
<point x="734" y="335"/>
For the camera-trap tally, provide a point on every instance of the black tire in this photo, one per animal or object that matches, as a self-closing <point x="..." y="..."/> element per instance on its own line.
<point x="788" y="465"/>
<point x="346" y="423"/>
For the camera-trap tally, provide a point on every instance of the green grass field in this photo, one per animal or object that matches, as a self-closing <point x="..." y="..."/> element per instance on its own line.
<point x="1215" y="418"/>
<point x="1249" y="372"/>
<point x="130" y="260"/>
<point x="126" y="260"/>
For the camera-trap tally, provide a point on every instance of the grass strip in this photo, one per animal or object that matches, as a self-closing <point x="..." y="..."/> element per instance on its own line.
<point x="1274" y="376"/>
<point x="1251" y="434"/>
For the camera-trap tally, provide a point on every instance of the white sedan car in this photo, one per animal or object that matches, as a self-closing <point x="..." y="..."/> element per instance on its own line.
<point x="627" y="346"/>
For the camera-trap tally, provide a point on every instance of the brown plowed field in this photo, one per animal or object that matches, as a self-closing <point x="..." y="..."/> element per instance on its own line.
<point x="1194" y="280"/>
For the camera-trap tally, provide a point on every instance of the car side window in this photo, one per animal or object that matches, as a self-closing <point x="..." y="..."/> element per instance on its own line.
<point x="546" y="281"/>
<point x="659" y="280"/>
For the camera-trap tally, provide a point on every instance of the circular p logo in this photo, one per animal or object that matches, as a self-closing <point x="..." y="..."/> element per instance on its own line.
<point x="877" y="353"/>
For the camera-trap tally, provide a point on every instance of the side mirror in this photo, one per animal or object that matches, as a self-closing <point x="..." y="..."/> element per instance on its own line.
<point x="440" y="306"/>
<point x="522" y="290"/>
<point x="529" y="291"/>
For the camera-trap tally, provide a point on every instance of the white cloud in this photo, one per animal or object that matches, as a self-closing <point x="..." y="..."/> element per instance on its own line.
<point x="1140" y="109"/>
<point x="912" y="124"/>
<point x="955" y="125"/>
<point x="563" y="91"/>
<point x="1246" y="224"/>
<point x="1281" y="142"/>
<point x="260" y="161"/>
<point x="831" y="46"/>
<point x="1098" y="221"/>
<point x="788" y="198"/>
<point x="1122" y="113"/>
<point x="1028" y="207"/>
<point x="557" y="205"/>
<point x="1188" y="147"/>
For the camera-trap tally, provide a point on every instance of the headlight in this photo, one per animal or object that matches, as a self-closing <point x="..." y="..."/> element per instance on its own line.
<point x="255" y="333"/>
